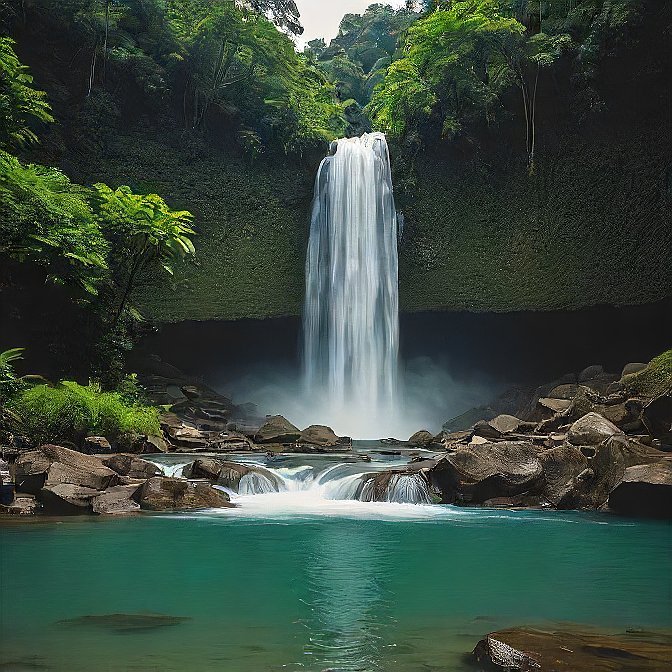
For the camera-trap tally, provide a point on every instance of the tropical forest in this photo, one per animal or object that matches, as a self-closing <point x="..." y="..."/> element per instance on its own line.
<point x="335" y="336"/>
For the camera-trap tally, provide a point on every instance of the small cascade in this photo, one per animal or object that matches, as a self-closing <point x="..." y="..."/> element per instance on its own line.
<point x="255" y="483"/>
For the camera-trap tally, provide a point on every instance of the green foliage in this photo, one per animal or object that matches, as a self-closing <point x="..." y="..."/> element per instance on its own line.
<point x="10" y="383"/>
<point x="654" y="380"/>
<point x="70" y="412"/>
<point x="19" y="101"/>
<point x="46" y="219"/>
<point x="453" y="64"/>
<point x="144" y="234"/>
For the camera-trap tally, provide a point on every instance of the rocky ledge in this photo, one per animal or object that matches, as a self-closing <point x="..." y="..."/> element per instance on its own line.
<point x="60" y="481"/>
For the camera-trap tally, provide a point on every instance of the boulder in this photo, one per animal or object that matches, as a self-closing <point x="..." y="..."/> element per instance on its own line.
<point x="96" y="445"/>
<point x="189" y="437"/>
<point x="67" y="499"/>
<point x="481" y="472"/>
<point x="561" y="466"/>
<point x="527" y="649"/>
<point x="130" y="465"/>
<point x="204" y="467"/>
<point x="30" y="471"/>
<point x="277" y="429"/>
<point x="645" y="490"/>
<point x="171" y="494"/>
<point x="320" y="435"/>
<point x="117" y="500"/>
<point x="657" y="417"/>
<point x="84" y="473"/>
<point x="590" y="430"/>
<point x="505" y="424"/>
<point x="421" y="438"/>
<point x="153" y="444"/>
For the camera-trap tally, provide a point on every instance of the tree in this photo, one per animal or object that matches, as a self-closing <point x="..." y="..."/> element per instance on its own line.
<point x="20" y="103"/>
<point x="46" y="219"/>
<point x="145" y="235"/>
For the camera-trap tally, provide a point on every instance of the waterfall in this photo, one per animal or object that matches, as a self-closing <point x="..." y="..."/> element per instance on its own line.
<point x="351" y="321"/>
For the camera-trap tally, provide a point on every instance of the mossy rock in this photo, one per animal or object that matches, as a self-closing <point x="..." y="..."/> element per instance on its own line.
<point x="652" y="381"/>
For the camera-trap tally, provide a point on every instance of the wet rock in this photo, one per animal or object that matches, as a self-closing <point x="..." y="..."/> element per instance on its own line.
<point x="527" y="649"/>
<point x="125" y="623"/>
<point x="561" y="465"/>
<point x="277" y="429"/>
<point x="645" y="490"/>
<point x="657" y="417"/>
<point x="130" y="465"/>
<point x="189" y="437"/>
<point x="478" y="473"/>
<point x="119" y="499"/>
<point x="30" y="471"/>
<point x="67" y="499"/>
<point x="153" y="444"/>
<point x="171" y="494"/>
<point x="591" y="429"/>
<point x="96" y="445"/>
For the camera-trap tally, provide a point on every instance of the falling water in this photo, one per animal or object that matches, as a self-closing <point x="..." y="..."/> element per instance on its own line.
<point x="351" y="321"/>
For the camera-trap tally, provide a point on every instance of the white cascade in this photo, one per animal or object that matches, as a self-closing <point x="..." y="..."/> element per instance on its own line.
<point x="351" y="315"/>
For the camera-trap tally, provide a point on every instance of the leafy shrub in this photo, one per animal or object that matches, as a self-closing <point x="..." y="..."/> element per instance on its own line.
<point x="10" y="383"/>
<point x="70" y="412"/>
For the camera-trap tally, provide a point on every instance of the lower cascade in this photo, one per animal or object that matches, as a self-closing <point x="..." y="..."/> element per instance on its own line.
<point x="351" y="320"/>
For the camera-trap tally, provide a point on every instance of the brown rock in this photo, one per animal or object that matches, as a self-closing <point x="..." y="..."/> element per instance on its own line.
<point x="67" y="499"/>
<point x="527" y="649"/>
<point x="657" y="417"/>
<point x="22" y="505"/>
<point x="633" y="367"/>
<point x="320" y="435"/>
<point x="555" y="405"/>
<point x="646" y="490"/>
<point x="478" y="473"/>
<point x="96" y="445"/>
<point x="30" y="471"/>
<point x="130" y="465"/>
<point x="567" y="391"/>
<point x="170" y="494"/>
<point x="591" y="429"/>
<point x="421" y="438"/>
<point x="117" y="500"/>
<point x="505" y="424"/>
<point x="277" y="429"/>
<point x="98" y="477"/>
<point x="561" y="466"/>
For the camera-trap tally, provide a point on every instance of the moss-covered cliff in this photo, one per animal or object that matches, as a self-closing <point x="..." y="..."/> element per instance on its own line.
<point x="592" y="226"/>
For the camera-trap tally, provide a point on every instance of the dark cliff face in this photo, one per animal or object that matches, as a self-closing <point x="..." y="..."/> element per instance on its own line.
<point x="591" y="226"/>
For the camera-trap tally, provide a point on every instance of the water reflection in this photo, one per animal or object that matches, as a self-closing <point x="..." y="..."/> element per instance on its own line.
<point x="349" y="605"/>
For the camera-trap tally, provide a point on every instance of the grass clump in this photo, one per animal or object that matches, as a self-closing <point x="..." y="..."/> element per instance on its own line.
<point x="70" y="412"/>
<point x="654" y="380"/>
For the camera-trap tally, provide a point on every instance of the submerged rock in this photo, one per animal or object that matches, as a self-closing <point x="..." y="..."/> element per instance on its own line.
<point x="125" y="623"/>
<point x="172" y="494"/>
<point x="645" y="490"/>
<point x="528" y="649"/>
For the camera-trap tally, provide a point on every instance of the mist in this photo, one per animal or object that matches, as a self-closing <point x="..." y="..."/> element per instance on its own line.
<point x="429" y="395"/>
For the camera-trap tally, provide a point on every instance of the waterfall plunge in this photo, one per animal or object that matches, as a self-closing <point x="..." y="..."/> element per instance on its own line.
<point x="351" y="320"/>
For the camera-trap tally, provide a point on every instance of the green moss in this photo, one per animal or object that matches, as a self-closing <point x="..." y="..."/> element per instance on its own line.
<point x="655" y="379"/>
<point x="591" y="227"/>
<point x="70" y="412"/>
